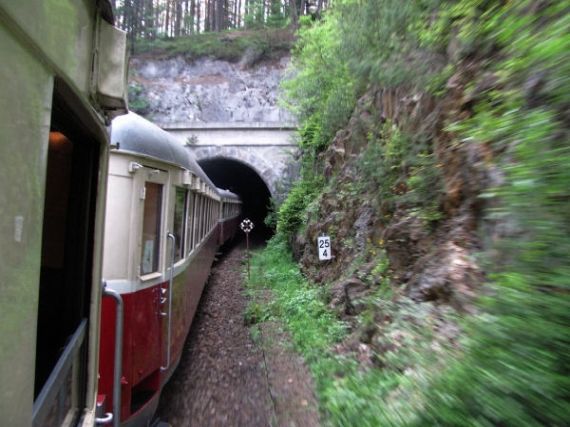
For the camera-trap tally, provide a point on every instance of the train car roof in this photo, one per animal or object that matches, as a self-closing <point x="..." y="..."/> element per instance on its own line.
<point x="135" y="134"/>
<point x="227" y="194"/>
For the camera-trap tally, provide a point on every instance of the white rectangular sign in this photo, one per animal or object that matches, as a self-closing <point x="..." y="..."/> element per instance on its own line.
<point x="324" y="247"/>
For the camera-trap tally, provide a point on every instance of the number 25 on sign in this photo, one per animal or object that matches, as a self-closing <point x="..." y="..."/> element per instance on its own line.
<point x="324" y="247"/>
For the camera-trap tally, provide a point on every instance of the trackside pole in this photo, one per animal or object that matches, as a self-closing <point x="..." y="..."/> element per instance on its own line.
<point x="246" y="226"/>
<point x="247" y="253"/>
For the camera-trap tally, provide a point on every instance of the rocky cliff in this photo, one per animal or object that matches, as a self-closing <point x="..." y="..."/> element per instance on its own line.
<point x="179" y="90"/>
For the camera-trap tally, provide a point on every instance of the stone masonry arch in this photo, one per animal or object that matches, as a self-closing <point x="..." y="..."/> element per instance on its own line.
<point x="269" y="175"/>
<point x="269" y="149"/>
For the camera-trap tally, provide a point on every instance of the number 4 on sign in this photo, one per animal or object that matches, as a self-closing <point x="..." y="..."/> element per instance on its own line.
<point x="324" y="248"/>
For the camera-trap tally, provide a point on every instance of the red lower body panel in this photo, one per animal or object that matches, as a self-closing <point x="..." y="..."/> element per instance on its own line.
<point x="145" y="339"/>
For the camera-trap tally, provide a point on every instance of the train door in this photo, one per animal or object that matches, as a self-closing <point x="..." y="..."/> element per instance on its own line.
<point x="66" y="269"/>
<point x="150" y="305"/>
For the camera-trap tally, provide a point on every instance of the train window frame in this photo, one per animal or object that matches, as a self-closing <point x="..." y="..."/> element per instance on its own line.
<point x="153" y="175"/>
<point x="196" y="221"/>
<point x="191" y="202"/>
<point x="180" y="251"/>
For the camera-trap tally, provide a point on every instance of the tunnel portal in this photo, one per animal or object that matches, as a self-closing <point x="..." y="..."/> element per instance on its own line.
<point x="242" y="180"/>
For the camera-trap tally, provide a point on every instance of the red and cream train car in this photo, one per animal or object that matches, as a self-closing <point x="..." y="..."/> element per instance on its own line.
<point x="165" y="221"/>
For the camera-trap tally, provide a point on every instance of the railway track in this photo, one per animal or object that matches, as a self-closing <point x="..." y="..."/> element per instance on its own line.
<point x="225" y="378"/>
<point x="221" y="379"/>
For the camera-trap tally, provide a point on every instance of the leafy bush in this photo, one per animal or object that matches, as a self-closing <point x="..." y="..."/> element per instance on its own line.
<point x="291" y="212"/>
<point x="381" y="44"/>
<point x="402" y="169"/>
<point x="138" y="102"/>
<point x="322" y="100"/>
<point x="515" y="369"/>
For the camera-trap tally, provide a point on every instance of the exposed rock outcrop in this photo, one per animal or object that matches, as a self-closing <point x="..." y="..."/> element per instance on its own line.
<point x="176" y="90"/>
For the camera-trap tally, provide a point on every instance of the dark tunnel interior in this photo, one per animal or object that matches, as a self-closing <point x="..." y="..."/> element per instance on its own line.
<point x="245" y="182"/>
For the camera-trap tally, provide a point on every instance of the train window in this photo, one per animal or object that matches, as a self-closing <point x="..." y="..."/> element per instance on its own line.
<point x="209" y="217"/>
<point x="180" y="206"/>
<point x="197" y="210"/>
<point x="207" y="221"/>
<point x="203" y="216"/>
<point x="151" y="228"/>
<point x="190" y="221"/>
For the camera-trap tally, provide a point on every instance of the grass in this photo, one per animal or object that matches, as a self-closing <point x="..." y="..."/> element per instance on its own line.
<point x="314" y="328"/>
<point x="387" y="393"/>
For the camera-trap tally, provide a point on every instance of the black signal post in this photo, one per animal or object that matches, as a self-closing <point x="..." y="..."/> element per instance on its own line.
<point x="246" y="226"/>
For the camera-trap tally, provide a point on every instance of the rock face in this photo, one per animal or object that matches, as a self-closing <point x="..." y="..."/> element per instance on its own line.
<point x="175" y="90"/>
<point x="393" y="237"/>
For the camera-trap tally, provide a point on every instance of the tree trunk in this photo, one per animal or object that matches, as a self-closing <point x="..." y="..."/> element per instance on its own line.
<point x="207" y="15"/>
<point x="238" y="13"/>
<point x="293" y="13"/>
<point x="212" y="15"/>
<point x="167" y="19"/>
<point x="198" y="17"/>
<point x="303" y="9"/>
<point x="263" y="11"/>
<point x="149" y="19"/>
<point x="178" y="17"/>
<point x="219" y="21"/>
<point x="192" y="15"/>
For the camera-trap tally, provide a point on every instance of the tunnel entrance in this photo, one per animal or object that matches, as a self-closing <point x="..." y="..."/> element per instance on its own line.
<point x="242" y="180"/>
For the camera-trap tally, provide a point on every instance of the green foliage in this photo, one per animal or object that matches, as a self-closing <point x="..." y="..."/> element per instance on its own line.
<point x="350" y="395"/>
<point x="471" y="22"/>
<point x="322" y="100"/>
<point x="291" y="212"/>
<point x="256" y="313"/>
<point x="272" y="215"/>
<point x="515" y="370"/>
<point x="138" y="102"/>
<point x="257" y="18"/>
<point x="380" y="43"/>
<point x="513" y="367"/>
<point x="227" y="45"/>
<point x="403" y="170"/>
<point x="390" y="393"/>
<point x="299" y="305"/>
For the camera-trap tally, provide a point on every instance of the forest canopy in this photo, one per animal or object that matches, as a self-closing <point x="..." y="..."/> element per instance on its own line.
<point x="151" y="19"/>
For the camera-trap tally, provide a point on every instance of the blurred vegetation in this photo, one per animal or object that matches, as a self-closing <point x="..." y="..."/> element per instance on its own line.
<point x="513" y="367"/>
<point x="349" y="396"/>
<point x="516" y="364"/>
<point x="231" y="45"/>
<point x="138" y="102"/>
<point x="401" y="170"/>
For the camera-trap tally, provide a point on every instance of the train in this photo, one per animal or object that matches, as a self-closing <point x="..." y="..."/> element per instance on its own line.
<point x="108" y="226"/>
<point x="165" y="222"/>
<point x="63" y="73"/>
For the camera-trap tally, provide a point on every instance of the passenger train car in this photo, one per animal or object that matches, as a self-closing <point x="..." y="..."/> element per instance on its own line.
<point x="165" y="221"/>
<point x="62" y="79"/>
